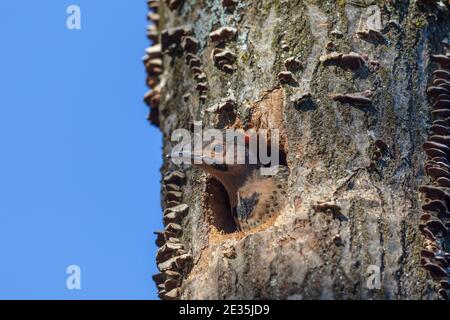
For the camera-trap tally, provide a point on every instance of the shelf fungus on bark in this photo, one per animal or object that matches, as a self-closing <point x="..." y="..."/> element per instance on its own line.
<point x="371" y="35"/>
<point x="381" y="145"/>
<point x="286" y="77"/>
<point x="154" y="67"/>
<point x="174" y="196"/>
<point x="223" y="34"/>
<point x="437" y="146"/>
<point x="328" y="207"/>
<point x="441" y="113"/>
<point x="153" y="4"/>
<point x="441" y="104"/>
<point x="223" y="59"/>
<point x="195" y="62"/>
<point x="435" y="193"/>
<point x="189" y="45"/>
<point x="175" y="177"/>
<point x="228" y="104"/>
<point x="352" y="61"/>
<point x="172" y="187"/>
<point x="292" y="64"/>
<point x="171" y="284"/>
<point x="436" y="91"/>
<point x="154" y="52"/>
<point x="152" y="98"/>
<point x="167" y="251"/>
<point x="435" y="221"/>
<point x="442" y="74"/>
<point x="229" y="4"/>
<point x="437" y="172"/>
<point x="174" y="4"/>
<point x="437" y="227"/>
<point x="153" y="17"/>
<point x="173" y="294"/>
<point x="285" y="46"/>
<point x="152" y="33"/>
<point x="445" y="140"/>
<point x="171" y="37"/>
<point x="356" y="99"/>
<point x="202" y="86"/>
<point x="441" y="59"/>
<point x="160" y="240"/>
<point x="200" y="77"/>
<point x="380" y="149"/>
<point x="444" y="181"/>
<point x="202" y="98"/>
<point x="440" y="129"/>
<point x="301" y="97"/>
<point x="172" y="230"/>
<point x="337" y="240"/>
<point x="171" y="204"/>
<point x="175" y="214"/>
<point x="436" y="271"/>
<point x="159" y="280"/>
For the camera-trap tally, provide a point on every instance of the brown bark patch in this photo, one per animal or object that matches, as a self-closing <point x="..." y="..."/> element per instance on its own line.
<point x="267" y="113"/>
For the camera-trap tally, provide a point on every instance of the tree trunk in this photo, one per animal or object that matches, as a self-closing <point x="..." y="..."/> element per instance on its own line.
<point x="356" y="161"/>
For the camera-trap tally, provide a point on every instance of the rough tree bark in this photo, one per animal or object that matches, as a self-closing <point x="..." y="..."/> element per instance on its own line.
<point x="366" y="159"/>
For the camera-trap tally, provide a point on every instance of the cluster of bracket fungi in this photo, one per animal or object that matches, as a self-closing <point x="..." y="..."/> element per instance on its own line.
<point x="153" y="63"/>
<point x="223" y="58"/>
<point x="435" y="220"/>
<point x="172" y="259"/>
<point x="351" y="61"/>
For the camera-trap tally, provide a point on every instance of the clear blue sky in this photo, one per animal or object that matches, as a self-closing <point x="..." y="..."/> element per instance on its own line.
<point x="79" y="164"/>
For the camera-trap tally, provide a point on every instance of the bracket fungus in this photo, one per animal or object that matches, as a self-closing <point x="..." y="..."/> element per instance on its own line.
<point x="202" y="86"/>
<point x="356" y="99"/>
<point x="189" y="44"/>
<point x="226" y="104"/>
<point x="440" y="129"/>
<point x="441" y="59"/>
<point x="371" y="35"/>
<point x="153" y="17"/>
<point x="176" y="177"/>
<point x="171" y="37"/>
<point x="328" y="207"/>
<point x="381" y="145"/>
<point x="436" y="217"/>
<point x="223" y="59"/>
<point x="172" y="187"/>
<point x="301" y="97"/>
<point x="352" y="61"/>
<point x="173" y="294"/>
<point x="229" y="3"/>
<point x="292" y="64"/>
<point x="174" y="215"/>
<point x="436" y="91"/>
<point x="286" y="77"/>
<point x="442" y="74"/>
<point x="436" y="271"/>
<point x="444" y="181"/>
<point x="152" y="98"/>
<point x="152" y="33"/>
<point x="153" y="4"/>
<point x="160" y="240"/>
<point x="174" y="4"/>
<point x="223" y="34"/>
<point x="154" y="52"/>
